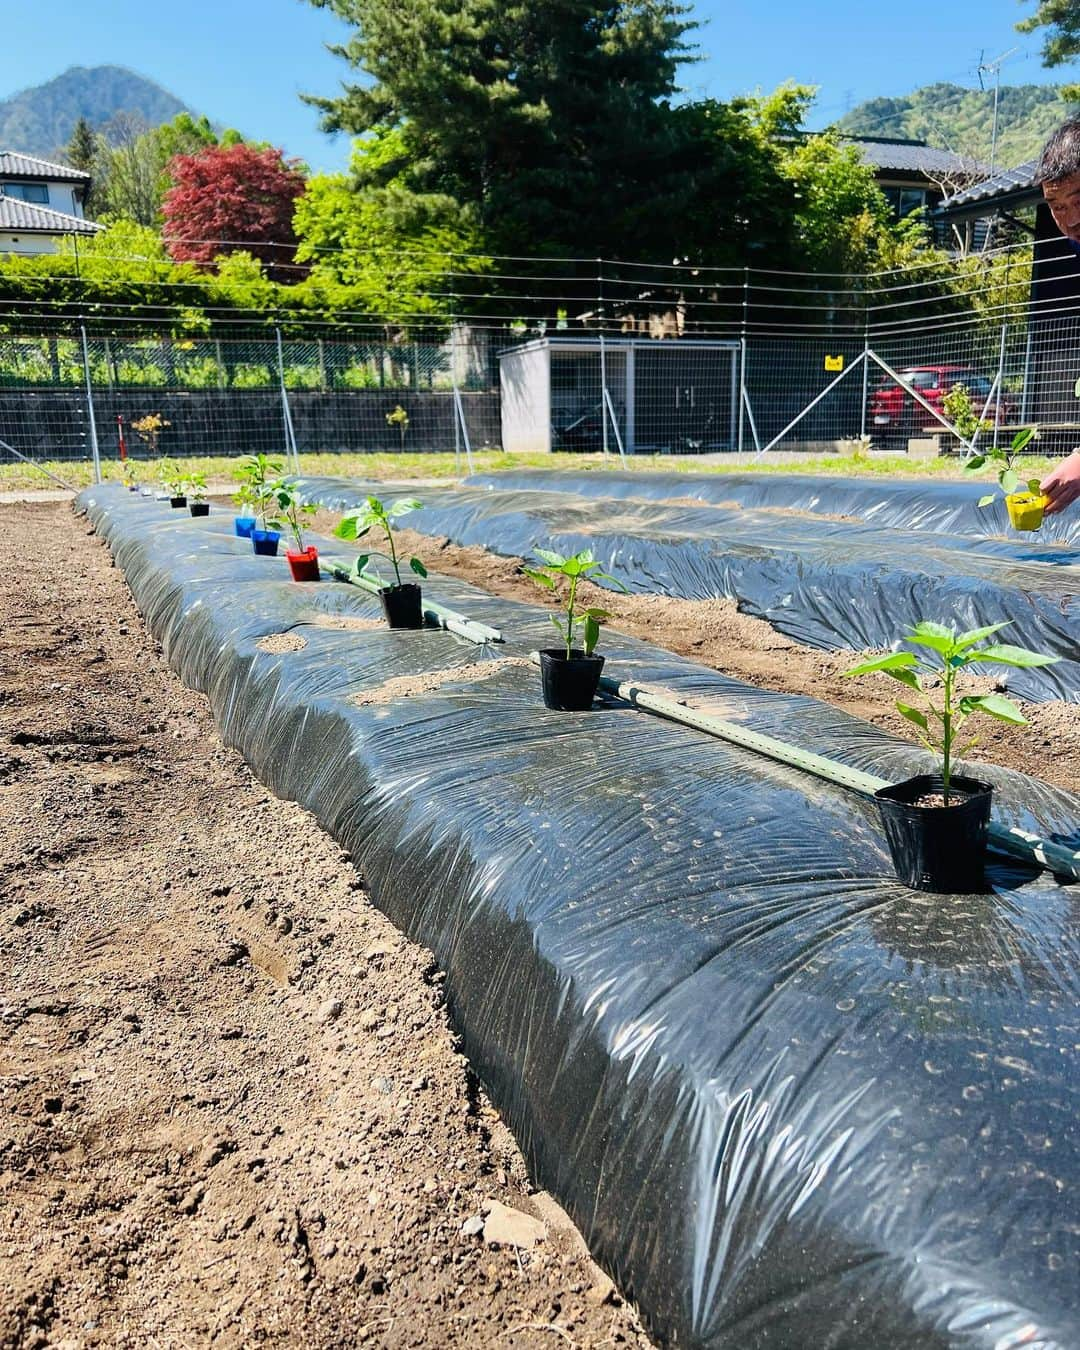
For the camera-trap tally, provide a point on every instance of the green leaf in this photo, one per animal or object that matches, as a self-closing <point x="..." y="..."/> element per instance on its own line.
<point x="974" y="464"/>
<point x="418" y="567"/>
<point x="376" y="508"/>
<point x="1034" y="486"/>
<point x="974" y="635"/>
<point x="404" y="505"/>
<point x="346" y="528"/>
<point x="1076" y="389"/>
<point x="541" y="578"/>
<point x="913" y="715"/>
<point x="1004" y="709"/>
<point x="361" y="562"/>
<point x="603" y="576"/>
<point x="1007" y="655"/>
<point x="552" y="559"/>
<point x="598" y="614"/>
<point x="591" y="633"/>
<point x="985" y="501"/>
<point x="907" y="677"/>
<point x="1021" y="439"/>
<point x="935" y="636"/>
<point x="894" y="661"/>
<point x="1010" y="480"/>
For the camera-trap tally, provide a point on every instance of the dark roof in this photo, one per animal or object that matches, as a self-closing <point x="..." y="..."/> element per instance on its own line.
<point x="14" y="165"/>
<point x="1006" y="190"/>
<point x="913" y="157"/>
<point x="16" y="214"/>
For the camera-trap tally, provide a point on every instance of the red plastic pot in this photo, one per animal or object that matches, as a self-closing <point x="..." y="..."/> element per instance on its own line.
<point x="303" y="566"/>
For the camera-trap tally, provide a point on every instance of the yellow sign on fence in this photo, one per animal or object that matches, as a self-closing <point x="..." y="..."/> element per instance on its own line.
<point x="834" y="363"/>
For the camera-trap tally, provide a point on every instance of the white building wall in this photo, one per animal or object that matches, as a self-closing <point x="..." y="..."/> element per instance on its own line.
<point x="525" y="385"/>
<point x="62" y="196"/>
<point x="29" y="244"/>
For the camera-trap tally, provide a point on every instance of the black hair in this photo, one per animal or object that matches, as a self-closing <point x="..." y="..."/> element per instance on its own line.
<point x="1061" y="154"/>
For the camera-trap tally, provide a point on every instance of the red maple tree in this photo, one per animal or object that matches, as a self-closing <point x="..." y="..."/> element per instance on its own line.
<point x="232" y="197"/>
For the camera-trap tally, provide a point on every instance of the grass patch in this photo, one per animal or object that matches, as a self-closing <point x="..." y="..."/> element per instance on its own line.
<point x="79" y="473"/>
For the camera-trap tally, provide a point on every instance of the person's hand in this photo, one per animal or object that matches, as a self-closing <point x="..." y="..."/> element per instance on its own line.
<point x="1062" y="487"/>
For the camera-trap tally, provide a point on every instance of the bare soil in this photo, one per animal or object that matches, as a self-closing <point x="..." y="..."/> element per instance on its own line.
<point x="234" y="1112"/>
<point x="716" y="634"/>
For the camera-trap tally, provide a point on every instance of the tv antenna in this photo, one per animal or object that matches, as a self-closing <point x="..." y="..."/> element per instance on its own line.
<point x="994" y="68"/>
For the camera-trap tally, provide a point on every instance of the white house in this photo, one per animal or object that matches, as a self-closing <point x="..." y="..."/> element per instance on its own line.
<point x="40" y="204"/>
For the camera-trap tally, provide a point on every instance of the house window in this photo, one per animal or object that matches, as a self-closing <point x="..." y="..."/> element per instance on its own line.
<point x="904" y="200"/>
<point x="29" y="192"/>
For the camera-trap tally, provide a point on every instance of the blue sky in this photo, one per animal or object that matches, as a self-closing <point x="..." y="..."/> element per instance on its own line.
<point x="244" y="62"/>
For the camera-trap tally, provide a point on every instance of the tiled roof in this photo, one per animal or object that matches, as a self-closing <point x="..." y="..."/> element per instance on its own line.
<point x="16" y="214"/>
<point x="1004" y="184"/>
<point x="914" y="157"/>
<point x="14" y="165"/>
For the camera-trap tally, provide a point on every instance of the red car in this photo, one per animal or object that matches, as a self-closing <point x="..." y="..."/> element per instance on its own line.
<point x="895" y="415"/>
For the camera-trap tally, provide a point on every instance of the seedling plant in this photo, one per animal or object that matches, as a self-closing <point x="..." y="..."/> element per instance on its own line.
<point x="170" y="477"/>
<point x="292" y="510"/>
<point x="149" y="429"/>
<point x="194" y="486"/>
<point x="958" y="408"/>
<point x="257" y="475"/>
<point x="572" y="571"/>
<point x="1008" y="479"/>
<point x="399" y="418"/>
<point x="939" y="724"/>
<point x="374" y="515"/>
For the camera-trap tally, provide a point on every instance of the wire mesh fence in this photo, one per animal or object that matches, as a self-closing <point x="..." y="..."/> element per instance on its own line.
<point x="221" y="397"/>
<point x="673" y="364"/>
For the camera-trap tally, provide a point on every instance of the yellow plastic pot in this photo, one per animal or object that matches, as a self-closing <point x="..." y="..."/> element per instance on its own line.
<point x="1025" y="509"/>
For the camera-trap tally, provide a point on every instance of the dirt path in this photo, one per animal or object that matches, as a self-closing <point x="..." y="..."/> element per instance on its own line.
<point x="233" y="1111"/>
<point x="716" y="634"/>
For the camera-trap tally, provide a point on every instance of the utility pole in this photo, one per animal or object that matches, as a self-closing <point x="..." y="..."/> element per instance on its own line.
<point x="994" y="68"/>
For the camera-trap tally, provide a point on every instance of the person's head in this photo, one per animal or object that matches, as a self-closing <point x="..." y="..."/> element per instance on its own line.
<point x="1059" y="174"/>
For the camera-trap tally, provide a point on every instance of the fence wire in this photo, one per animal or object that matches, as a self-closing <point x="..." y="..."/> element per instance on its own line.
<point x="666" y="363"/>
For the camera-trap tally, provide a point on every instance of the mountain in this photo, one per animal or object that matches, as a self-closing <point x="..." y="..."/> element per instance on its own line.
<point x="961" y="120"/>
<point x="40" y="121"/>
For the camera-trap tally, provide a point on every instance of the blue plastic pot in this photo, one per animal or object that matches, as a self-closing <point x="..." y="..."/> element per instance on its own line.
<point x="265" y="542"/>
<point x="244" y="525"/>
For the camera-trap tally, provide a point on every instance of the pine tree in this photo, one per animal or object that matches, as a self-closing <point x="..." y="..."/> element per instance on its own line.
<point x="82" y="153"/>
<point x="82" y="148"/>
<point x="540" y="121"/>
<point x="1062" y="19"/>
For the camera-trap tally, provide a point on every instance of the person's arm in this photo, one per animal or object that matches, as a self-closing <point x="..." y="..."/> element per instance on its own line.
<point x="1062" y="487"/>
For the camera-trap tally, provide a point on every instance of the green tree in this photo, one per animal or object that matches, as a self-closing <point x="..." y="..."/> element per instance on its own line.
<point x="1062" y="18"/>
<point x="400" y="255"/>
<point x="840" y="213"/>
<point x="538" y="121"/>
<point x="135" y="170"/>
<point x="83" y="153"/>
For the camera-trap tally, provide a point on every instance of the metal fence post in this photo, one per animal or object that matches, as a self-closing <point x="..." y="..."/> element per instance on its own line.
<point x="454" y="388"/>
<point x="1000" y="379"/>
<point x="94" y="450"/>
<point x="865" y="370"/>
<point x="1025" y="397"/>
<point x="603" y="360"/>
<point x="742" y="358"/>
<point x="291" y="453"/>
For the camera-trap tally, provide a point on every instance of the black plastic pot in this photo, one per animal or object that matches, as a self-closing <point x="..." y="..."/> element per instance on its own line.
<point x="938" y="848"/>
<point x="569" y="685"/>
<point x="177" y="502"/>
<point x="199" y="508"/>
<point x="401" y="605"/>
